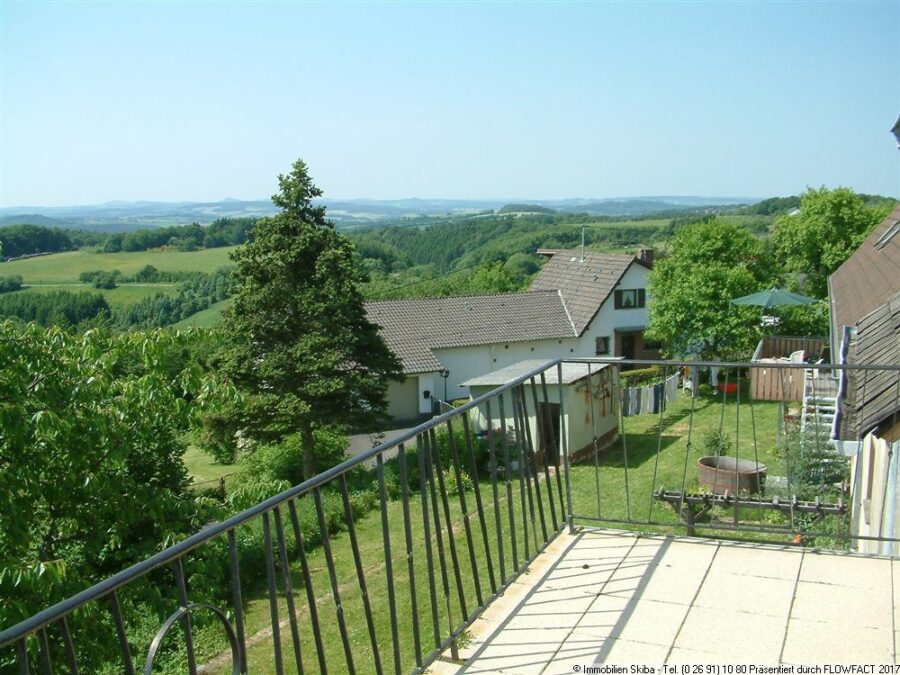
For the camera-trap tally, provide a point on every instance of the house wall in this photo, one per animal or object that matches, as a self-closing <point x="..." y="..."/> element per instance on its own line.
<point x="875" y="504"/>
<point x="608" y="319"/>
<point x="465" y="363"/>
<point x="403" y="398"/>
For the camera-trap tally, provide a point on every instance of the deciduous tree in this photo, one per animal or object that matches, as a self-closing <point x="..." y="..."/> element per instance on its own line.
<point x="710" y="263"/>
<point x="830" y="226"/>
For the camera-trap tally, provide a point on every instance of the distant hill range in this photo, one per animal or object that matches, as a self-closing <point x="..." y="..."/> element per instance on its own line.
<point x="129" y="216"/>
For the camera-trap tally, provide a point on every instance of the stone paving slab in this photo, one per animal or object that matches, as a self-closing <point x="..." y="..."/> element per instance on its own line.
<point x="608" y="597"/>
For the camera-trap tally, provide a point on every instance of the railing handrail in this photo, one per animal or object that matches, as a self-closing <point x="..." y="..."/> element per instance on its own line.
<point x="730" y="364"/>
<point x="176" y="551"/>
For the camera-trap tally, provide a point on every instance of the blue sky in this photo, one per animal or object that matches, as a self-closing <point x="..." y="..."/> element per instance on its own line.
<point x="168" y="101"/>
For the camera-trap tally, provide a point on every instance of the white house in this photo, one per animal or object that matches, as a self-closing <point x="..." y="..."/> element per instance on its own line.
<point x="579" y="305"/>
<point x="590" y="394"/>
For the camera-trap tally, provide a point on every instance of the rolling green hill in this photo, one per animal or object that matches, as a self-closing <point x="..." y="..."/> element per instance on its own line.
<point x="65" y="267"/>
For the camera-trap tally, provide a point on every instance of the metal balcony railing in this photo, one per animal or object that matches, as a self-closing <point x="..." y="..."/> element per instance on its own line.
<point x="466" y="501"/>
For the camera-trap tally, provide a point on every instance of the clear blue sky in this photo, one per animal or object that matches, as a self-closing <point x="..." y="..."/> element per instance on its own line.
<point x="202" y="101"/>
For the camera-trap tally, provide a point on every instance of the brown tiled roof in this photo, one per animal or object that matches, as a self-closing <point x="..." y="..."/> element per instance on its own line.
<point x="873" y="394"/>
<point x="413" y="328"/>
<point x="586" y="283"/>
<point x="867" y="278"/>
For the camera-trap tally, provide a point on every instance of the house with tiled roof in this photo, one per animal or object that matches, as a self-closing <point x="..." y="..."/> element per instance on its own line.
<point x="864" y="297"/>
<point x="581" y="304"/>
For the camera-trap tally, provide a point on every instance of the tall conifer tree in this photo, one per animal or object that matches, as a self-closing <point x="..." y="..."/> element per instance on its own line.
<point x="297" y="340"/>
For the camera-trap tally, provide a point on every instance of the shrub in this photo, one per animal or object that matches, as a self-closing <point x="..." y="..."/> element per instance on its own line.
<point x="9" y="284"/>
<point x="715" y="443"/>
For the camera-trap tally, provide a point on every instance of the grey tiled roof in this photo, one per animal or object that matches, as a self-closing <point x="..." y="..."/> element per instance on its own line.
<point x="413" y="328"/>
<point x="571" y="372"/>
<point x="868" y="277"/>
<point x="585" y="284"/>
<point x="872" y="394"/>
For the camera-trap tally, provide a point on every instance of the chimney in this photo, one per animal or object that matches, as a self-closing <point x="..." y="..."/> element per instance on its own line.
<point x="645" y="255"/>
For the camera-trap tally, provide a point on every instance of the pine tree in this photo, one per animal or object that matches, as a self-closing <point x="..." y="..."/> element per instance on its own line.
<point x="296" y="339"/>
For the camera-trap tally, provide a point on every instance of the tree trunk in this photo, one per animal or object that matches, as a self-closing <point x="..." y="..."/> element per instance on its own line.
<point x="307" y="442"/>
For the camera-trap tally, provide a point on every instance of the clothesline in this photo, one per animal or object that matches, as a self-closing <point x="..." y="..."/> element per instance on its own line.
<point x="651" y="398"/>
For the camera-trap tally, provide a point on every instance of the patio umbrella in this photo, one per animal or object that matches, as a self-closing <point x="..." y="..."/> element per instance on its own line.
<point x="773" y="297"/>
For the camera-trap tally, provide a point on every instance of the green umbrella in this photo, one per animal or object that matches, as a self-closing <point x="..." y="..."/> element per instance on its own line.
<point x="773" y="298"/>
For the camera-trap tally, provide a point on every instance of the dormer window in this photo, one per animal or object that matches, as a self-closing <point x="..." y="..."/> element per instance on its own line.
<point x="629" y="298"/>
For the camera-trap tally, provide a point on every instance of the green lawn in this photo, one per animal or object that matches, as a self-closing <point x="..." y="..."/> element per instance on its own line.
<point x="203" y="468"/>
<point x="124" y="294"/>
<point x="205" y="319"/>
<point x="65" y="267"/>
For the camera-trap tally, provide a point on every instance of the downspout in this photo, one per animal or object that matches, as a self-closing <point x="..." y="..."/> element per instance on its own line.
<point x="889" y="505"/>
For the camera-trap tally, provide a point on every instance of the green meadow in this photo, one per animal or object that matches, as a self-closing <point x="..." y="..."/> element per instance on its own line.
<point x="65" y="267"/>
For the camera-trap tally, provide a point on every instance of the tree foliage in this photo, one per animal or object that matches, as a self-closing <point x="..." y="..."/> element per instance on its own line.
<point x="91" y="477"/>
<point x="710" y="263"/>
<point x="829" y="228"/>
<point x="297" y="338"/>
<point x="19" y="240"/>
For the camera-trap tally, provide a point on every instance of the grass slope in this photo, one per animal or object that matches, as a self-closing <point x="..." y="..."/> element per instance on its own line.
<point x="65" y="267"/>
<point x="126" y="294"/>
<point x="205" y="319"/>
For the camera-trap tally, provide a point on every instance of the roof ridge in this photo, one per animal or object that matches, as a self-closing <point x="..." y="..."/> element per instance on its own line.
<point x="568" y="314"/>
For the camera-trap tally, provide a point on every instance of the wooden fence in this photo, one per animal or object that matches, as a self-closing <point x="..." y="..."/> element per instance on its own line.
<point x="779" y="384"/>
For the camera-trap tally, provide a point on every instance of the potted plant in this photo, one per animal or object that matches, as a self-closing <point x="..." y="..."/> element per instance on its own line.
<point x="718" y="472"/>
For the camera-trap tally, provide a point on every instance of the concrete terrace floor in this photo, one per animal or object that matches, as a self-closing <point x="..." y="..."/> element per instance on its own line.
<point x="608" y="597"/>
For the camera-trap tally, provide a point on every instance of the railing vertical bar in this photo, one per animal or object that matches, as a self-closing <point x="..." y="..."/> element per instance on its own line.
<point x="273" y="593"/>
<point x="498" y="521"/>
<point x="662" y="407"/>
<point x="473" y="468"/>
<point x="46" y="662"/>
<point x="527" y="457"/>
<point x="22" y="657"/>
<point x="506" y="471"/>
<point x="787" y="454"/>
<point x="186" y="619"/>
<point x="70" y="646"/>
<point x="688" y="447"/>
<point x="410" y="561"/>
<point x="360" y="573"/>
<point x="437" y="485"/>
<point x="236" y="599"/>
<point x="564" y="447"/>
<point x="548" y="428"/>
<point x="596" y="446"/>
<point x="759" y="508"/>
<point x="388" y="560"/>
<point x="421" y="443"/>
<point x="332" y="574"/>
<point x="288" y="589"/>
<point x="520" y="445"/>
<point x="555" y="443"/>
<point x="307" y="583"/>
<point x="625" y="462"/>
<point x="454" y="456"/>
<point x="737" y="439"/>
<point x="124" y="648"/>
<point x="534" y="472"/>
<point x="721" y="420"/>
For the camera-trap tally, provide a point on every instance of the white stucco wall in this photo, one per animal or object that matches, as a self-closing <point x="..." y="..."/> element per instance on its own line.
<point x="402" y="398"/>
<point x="608" y="318"/>
<point x="465" y="363"/>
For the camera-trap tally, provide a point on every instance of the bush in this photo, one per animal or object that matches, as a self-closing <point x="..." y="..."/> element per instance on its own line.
<point x="9" y="284"/>
<point x="715" y="443"/>
<point x="638" y="376"/>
